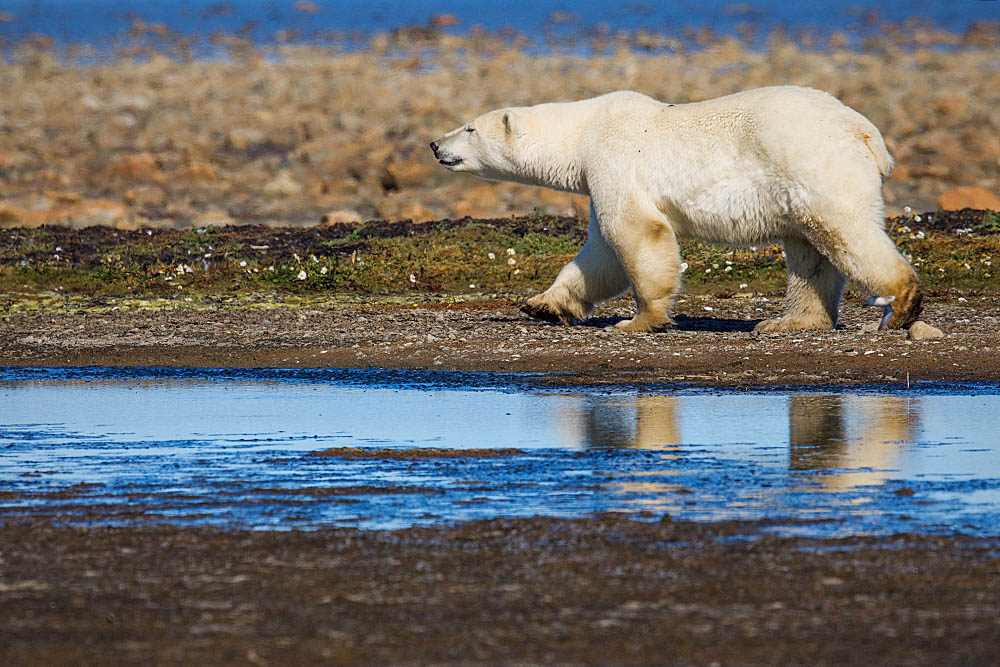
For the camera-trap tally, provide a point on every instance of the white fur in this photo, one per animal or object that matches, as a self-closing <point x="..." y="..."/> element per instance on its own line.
<point x="782" y="163"/>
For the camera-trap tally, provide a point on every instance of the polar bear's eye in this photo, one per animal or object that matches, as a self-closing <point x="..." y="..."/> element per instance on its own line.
<point x="470" y="129"/>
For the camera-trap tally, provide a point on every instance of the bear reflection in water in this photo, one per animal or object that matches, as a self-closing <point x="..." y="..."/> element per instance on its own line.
<point x="840" y="441"/>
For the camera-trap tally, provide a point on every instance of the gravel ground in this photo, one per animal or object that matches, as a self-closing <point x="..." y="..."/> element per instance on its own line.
<point x="712" y="343"/>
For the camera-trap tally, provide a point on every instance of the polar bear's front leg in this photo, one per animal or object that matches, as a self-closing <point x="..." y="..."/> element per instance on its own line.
<point x="595" y="274"/>
<point x="648" y="249"/>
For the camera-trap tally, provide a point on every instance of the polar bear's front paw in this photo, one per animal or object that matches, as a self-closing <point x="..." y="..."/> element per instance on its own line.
<point x="540" y="309"/>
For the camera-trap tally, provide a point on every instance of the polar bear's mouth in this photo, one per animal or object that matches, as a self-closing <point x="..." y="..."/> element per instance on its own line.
<point x="450" y="162"/>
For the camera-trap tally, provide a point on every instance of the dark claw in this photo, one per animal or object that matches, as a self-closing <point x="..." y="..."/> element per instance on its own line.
<point x="540" y="313"/>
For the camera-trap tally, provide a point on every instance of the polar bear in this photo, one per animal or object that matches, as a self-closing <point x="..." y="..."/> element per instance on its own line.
<point x="782" y="163"/>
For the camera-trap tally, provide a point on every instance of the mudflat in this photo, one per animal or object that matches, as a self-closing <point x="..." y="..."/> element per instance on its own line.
<point x="711" y="344"/>
<point x="598" y="590"/>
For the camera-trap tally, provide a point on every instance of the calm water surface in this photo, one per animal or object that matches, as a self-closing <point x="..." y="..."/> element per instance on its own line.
<point x="96" y="20"/>
<point x="233" y="448"/>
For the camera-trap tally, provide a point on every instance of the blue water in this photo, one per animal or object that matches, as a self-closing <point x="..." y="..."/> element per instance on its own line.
<point x="234" y="448"/>
<point x="97" y="20"/>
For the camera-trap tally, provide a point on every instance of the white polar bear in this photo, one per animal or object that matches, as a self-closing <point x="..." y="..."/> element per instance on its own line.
<point x="781" y="163"/>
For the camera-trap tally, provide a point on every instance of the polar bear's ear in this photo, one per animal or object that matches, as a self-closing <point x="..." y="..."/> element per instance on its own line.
<point x="508" y="123"/>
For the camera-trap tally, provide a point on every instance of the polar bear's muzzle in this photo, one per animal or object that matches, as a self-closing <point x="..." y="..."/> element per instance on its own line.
<point x="443" y="158"/>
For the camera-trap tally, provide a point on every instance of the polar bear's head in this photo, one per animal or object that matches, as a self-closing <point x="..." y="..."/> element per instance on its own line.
<point x="485" y="146"/>
<point x="536" y="145"/>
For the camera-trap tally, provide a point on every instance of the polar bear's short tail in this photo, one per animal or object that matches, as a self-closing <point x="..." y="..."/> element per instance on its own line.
<point x="876" y="146"/>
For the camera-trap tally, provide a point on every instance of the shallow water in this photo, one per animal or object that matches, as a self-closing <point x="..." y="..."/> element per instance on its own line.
<point x="97" y="20"/>
<point x="233" y="448"/>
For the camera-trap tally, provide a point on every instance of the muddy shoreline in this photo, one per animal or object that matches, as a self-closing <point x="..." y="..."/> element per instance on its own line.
<point x="712" y="344"/>
<point x="603" y="589"/>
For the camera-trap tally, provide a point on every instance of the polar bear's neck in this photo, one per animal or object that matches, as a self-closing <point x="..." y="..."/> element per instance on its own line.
<point x="549" y="148"/>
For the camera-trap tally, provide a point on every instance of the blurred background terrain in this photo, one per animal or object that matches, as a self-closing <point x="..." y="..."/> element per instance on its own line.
<point x="191" y="113"/>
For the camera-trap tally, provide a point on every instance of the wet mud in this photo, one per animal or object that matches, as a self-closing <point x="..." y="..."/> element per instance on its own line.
<point x="411" y="454"/>
<point x="712" y="343"/>
<point x="598" y="590"/>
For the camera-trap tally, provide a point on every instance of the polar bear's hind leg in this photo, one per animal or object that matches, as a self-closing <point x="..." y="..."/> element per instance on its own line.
<point x="814" y="290"/>
<point x="867" y="256"/>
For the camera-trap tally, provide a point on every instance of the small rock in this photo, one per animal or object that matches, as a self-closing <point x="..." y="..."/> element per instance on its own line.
<point x="199" y="172"/>
<point x="145" y="195"/>
<point x="964" y="196"/>
<point x="140" y="168"/>
<point x="342" y="216"/>
<point x="400" y="175"/>
<point x="869" y="327"/>
<point x="213" y="217"/>
<point x="920" y="330"/>
<point x="441" y="20"/>
<point x="283" y="186"/>
<point x="9" y="215"/>
<point x="242" y="138"/>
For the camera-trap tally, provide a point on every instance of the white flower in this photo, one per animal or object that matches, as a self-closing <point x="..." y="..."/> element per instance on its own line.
<point x="517" y="271"/>
<point x="916" y="218"/>
<point x="413" y="278"/>
<point x="323" y="270"/>
<point x="472" y="285"/>
<point x="512" y="261"/>
<point x="510" y="251"/>
<point x="302" y="275"/>
<point x="728" y="269"/>
<point x="243" y="263"/>
<point x="313" y="258"/>
<point x="492" y="255"/>
<point x="907" y="210"/>
<point x="743" y="285"/>
<point x="708" y="270"/>
<point x="684" y="267"/>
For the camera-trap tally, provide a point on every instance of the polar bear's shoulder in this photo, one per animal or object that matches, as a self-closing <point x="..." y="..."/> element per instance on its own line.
<point x="625" y="99"/>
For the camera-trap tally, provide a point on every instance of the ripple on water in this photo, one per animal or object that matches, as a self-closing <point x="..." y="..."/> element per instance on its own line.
<point x="387" y="449"/>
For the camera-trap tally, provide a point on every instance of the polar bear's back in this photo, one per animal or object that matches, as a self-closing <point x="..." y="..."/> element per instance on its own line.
<point x="734" y="169"/>
<point x="802" y="126"/>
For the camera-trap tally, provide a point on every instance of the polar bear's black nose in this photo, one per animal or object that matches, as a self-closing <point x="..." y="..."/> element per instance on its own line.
<point x="434" y="147"/>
